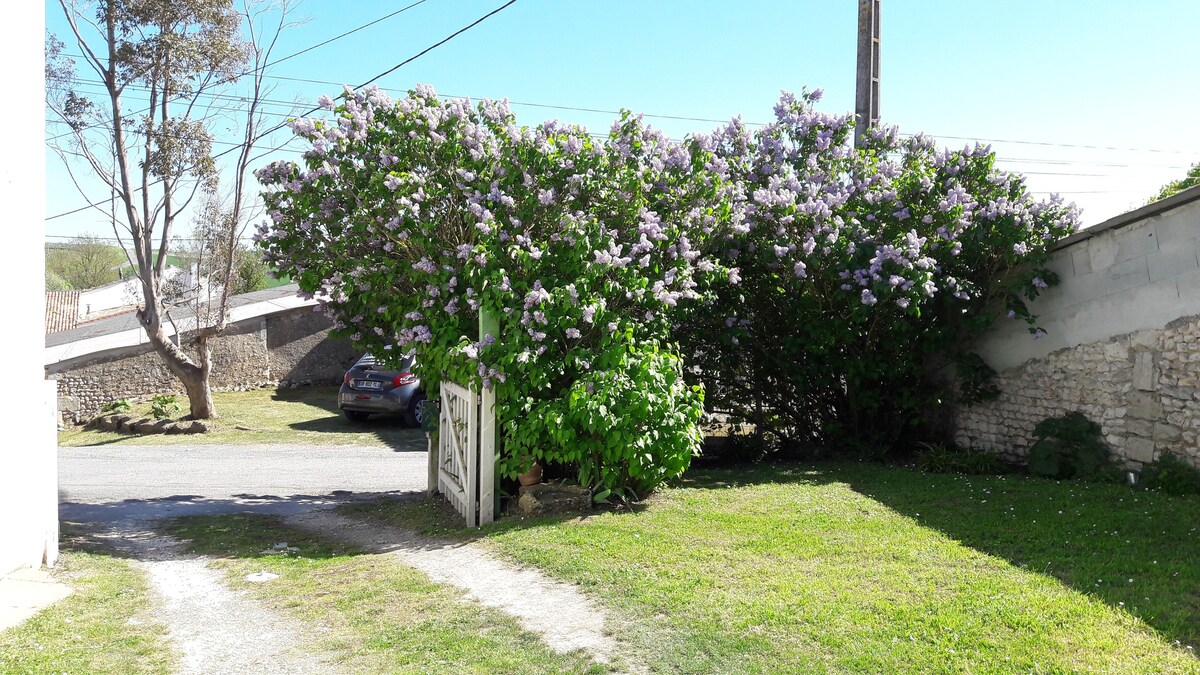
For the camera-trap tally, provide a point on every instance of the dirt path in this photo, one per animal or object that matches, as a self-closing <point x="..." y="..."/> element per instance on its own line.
<point x="565" y="618"/>
<point x="217" y="630"/>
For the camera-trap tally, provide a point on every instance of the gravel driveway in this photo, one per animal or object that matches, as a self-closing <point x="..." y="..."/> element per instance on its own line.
<point x="106" y="483"/>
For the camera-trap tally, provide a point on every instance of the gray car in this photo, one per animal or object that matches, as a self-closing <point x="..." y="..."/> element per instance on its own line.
<point x="371" y="388"/>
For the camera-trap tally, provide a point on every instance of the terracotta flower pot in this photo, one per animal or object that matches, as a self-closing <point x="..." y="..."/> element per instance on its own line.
<point x="531" y="477"/>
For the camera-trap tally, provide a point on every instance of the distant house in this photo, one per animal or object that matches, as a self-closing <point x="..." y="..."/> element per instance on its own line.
<point x="67" y="309"/>
<point x="99" y="302"/>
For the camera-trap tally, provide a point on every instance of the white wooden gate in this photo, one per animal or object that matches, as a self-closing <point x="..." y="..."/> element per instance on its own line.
<point x="462" y="464"/>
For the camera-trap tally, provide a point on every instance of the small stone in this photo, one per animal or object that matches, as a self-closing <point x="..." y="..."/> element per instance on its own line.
<point x="551" y="498"/>
<point x="259" y="577"/>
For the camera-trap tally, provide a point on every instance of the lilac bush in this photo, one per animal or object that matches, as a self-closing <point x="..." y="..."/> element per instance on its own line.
<point x="863" y="276"/>
<point x="408" y="217"/>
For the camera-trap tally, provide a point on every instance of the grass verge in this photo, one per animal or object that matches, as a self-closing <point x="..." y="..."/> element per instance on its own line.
<point x="374" y="613"/>
<point x="865" y="568"/>
<point x="97" y="629"/>
<point x="304" y="416"/>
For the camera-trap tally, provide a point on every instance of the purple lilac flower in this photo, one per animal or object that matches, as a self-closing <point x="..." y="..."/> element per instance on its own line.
<point x="1038" y="283"/>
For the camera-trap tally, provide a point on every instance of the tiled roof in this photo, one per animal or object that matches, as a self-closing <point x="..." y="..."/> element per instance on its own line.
<point x="62" y="310"/>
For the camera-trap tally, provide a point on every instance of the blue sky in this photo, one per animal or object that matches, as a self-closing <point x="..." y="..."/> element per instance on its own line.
<point x="1096" y="100"/>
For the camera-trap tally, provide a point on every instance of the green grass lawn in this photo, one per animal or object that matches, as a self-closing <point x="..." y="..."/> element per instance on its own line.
<point x="306" y="416"/>
<point x="866" y="568"/>
<point x="100" y="628"/>
<point x="373" y="613"/>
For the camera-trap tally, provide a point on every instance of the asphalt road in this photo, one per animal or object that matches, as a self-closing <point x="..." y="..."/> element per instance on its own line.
<point x="108" y="483"/>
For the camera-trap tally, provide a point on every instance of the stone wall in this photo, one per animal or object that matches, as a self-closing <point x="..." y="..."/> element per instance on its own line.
<point x="1140" y="387"/>
<point x="1122" y="344"/>
<point x="293" y="346"/>
<point x="300" y="349"/>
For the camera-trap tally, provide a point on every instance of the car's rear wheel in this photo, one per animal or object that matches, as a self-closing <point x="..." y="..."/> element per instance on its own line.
<point x="356" y="415"/>
<point x="416" y="411"/>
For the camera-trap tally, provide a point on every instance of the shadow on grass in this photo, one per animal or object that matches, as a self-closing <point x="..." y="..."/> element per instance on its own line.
<point x="130" y="512"/>
<point x="250" y="536"/>
<point x="388" y="429"/>
<point x="432" y="516"/>
<point x="246" y="526"/>
<point x="1133" y="550"/>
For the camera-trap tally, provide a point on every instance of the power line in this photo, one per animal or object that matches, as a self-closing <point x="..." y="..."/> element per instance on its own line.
<point x="432" y="47"/>
<point x="386" y="72"/>
<point x="686" y="118"/>
<point x="1055" y="145"/>
<point x="285" y="58"/>
<point x="99" y="238"/>
<point x="390" y="70"/>
<point x="349" y="32"/>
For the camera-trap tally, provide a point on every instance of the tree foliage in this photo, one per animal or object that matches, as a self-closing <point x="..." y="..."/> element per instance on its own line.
<point x="85" y="262"/>
<point x="1190" y="179"/>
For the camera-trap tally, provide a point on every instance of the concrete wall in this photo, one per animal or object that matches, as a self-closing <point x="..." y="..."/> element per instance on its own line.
<point x="29" y="486"/>
<point x="293" y="346"/>
<point x="119" y="294"/>
<point x="28" y="462"/>
<point x="1122" y="343"/>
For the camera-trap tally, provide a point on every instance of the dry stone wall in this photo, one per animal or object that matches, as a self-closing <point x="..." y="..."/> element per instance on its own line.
<point x="291" y="347"/>
<point x="1141" y="387"/>
<point x="1123" y="342"/>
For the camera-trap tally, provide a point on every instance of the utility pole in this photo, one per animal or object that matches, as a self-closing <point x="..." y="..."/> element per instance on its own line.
<point x="866" y="99"/>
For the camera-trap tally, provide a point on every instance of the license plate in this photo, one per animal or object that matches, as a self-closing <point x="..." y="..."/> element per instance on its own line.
<point x="369" y="384"/>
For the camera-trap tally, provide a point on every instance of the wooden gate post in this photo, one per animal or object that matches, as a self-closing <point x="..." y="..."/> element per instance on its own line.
<point x="489" y="324"/>
<point x="434" y="463"/>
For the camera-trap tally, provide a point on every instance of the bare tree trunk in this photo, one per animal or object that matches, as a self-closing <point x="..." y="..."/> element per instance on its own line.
<point x="194" y="376"/>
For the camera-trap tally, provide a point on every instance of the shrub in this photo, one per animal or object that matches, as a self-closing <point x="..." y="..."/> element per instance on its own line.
<point x="1070" y="446"/>
<point x="408" y="219"/>
<point x="1171" y="474"/>
<point x="165" y="407"/>
<point x="864" y="273"/>
<point x="118" y="406"/>
<point x="949" y="458"/>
